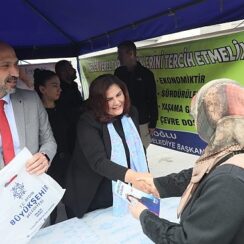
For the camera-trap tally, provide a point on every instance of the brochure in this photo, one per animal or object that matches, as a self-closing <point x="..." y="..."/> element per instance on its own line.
<point x="124" y="190"/>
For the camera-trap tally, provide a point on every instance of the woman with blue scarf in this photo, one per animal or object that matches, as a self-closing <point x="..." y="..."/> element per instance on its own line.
<point x="108" y="148"/>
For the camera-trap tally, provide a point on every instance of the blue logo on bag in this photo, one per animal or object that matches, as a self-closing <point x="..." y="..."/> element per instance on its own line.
<point x="18" y="190"/>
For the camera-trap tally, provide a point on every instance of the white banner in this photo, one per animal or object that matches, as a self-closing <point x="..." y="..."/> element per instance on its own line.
<point x="26" y="72"/>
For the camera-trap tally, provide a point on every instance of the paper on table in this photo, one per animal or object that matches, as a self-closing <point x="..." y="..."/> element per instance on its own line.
<point x="101" y="226"/>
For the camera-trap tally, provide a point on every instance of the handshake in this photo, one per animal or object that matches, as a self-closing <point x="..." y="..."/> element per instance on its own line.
<point x="142" y="181"/>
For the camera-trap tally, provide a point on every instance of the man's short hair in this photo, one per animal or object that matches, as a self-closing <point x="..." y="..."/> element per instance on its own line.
<point x="60" y="65"/>
<point x="129" y="45"/>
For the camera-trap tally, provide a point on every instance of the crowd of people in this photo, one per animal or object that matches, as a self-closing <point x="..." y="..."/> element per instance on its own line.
<point x="87" y="146"/>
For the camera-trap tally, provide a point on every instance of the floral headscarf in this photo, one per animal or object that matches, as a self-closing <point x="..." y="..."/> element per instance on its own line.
<point x="218" y="110"/>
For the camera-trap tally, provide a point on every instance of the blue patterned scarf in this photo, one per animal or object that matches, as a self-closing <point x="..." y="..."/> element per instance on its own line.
<point x="138" y="160"/>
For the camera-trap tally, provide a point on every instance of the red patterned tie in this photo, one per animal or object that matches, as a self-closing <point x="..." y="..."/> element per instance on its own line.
<point x="6" y="136"/>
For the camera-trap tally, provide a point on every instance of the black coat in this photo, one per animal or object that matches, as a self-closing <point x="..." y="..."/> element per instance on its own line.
<point x="70" y="96"/>
<point x="90" y="163"/>
<point x="62" y="125"/>
<point x="214" y="213"/>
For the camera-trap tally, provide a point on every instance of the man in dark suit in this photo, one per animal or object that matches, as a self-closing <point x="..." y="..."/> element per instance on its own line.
<point x="25" y="118"/>
<point x="70" y="96"/>
<point x="142" y="89"/>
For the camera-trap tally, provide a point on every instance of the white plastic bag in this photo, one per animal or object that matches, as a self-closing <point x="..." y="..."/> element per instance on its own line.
<point x="26" y="200"/>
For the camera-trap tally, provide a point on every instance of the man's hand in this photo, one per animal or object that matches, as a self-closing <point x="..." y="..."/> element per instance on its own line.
<point x="38" y="164"/>
<point x="136" y="207"/>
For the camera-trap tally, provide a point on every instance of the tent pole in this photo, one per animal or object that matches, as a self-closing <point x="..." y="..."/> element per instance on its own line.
<point x="81" y="82"/>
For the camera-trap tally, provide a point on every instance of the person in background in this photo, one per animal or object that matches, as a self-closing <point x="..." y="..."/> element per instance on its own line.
<point x="108" y="148"/>
<point x="211" y="207"/>
<point x="24" y="82"/>
<point x="142" y="89"/>
<point x="47" y="85"/>
<point x="23" y="119"/>
<point x="70" y="97"/>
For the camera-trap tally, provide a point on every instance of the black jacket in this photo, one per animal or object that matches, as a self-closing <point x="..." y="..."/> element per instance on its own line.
<point x="70" y="96"/>
<point x="214" y="214"/>
<point x="63" y="128"/>
<point x="142" y="89"/>
<point x="90" y="164"/>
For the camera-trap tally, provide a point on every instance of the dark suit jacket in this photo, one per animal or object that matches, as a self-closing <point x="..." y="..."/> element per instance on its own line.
<point x="90" y="163"/>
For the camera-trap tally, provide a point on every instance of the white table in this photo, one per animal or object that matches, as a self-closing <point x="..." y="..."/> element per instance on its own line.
<point x="101" y="226"/>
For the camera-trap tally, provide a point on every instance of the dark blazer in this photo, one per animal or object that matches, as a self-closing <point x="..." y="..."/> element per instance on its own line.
<point x="90" y="163"/>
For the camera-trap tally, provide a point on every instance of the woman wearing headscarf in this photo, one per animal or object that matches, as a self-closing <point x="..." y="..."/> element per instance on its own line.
<point x="108" y="148"/>
<point x="211" y="207"/>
